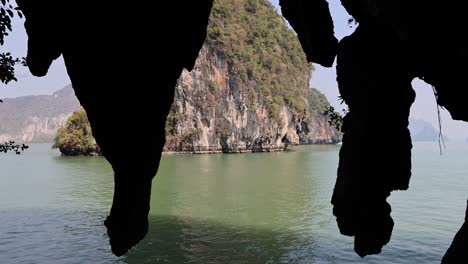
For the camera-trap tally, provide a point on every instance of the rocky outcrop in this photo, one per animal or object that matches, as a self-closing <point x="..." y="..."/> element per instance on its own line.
<point x="214" y="111"/>
<point x="315" y="32"/>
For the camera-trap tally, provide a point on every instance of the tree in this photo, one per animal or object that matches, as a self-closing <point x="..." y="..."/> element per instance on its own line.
<point x="7" y="61"/>
<point x="76" y="137"/>
<point x="335" y="119"/>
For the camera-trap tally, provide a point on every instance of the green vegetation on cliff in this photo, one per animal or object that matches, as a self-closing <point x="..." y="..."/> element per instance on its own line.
<point x="318" y="102"/>
<point x="262" y="49"/>
<point x="76" y="138"/>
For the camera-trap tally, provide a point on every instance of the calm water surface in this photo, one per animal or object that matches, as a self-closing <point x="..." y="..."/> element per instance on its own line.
<point x="250" y="208"/>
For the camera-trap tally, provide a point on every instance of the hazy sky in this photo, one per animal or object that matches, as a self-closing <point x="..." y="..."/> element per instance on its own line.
<point x="323" y="79"/>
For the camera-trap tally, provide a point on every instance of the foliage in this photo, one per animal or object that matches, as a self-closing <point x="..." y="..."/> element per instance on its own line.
<point x="190" y="135"/>
<point x="7" y="12"/>
<point x="263" y="50"/>
<point x="7" y="62"/>
<point x="12" y="146"/>
<point x="76" y="138"/>
<point x="171" y="120"/>
<point x="318" y="102"/>
<point x="214" y="86"/>
<point x="7" y="67"/>
<point x="335" y="118"/>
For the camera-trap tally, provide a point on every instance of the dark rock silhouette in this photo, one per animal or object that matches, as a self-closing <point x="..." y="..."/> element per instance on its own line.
<point x="314" y="30"/>
<point x="113" y="53"/>
<point x="362" y="186"/>
<point x="395" y="42"/>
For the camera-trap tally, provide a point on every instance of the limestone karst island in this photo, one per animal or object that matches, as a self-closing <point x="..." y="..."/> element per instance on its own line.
<point x="249" y="92"/>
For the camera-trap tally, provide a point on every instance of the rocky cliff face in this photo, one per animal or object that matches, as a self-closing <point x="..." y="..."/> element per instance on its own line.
<point x="37" y="129"/>
<point x="249" y="89"/>
<point x="215" y="110"/>
<point x="212" y="112"/>
<point x="36" y="118"/>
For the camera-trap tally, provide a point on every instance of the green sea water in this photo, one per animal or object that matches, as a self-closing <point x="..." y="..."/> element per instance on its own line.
<point x="247" y="208"/>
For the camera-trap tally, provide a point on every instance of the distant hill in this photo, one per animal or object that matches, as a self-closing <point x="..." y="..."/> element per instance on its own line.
<point x="36" y="118"/>
<point x="422" y="130"/>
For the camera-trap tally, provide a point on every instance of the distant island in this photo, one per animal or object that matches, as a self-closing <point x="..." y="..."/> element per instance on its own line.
<point x="422" y="130"/>
<point x="248" y="92"/>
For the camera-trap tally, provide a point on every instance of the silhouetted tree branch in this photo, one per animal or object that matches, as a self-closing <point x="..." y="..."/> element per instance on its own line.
<point x="8" y="62"/>
<point x="11" y="146"/>
<point x="335" y="119"/>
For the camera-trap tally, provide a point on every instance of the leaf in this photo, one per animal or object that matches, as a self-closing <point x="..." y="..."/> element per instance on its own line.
<point x="10" y="13"/>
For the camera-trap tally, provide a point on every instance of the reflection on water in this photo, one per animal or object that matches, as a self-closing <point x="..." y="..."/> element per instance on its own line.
<point x="186" y="240"/>
<point x="249" y="208"/>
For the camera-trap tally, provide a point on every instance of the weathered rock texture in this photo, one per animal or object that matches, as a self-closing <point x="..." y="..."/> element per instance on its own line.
<point x="215" y="110"/>
<point x="249" y="89"/>
<point x="395" y="42"/>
